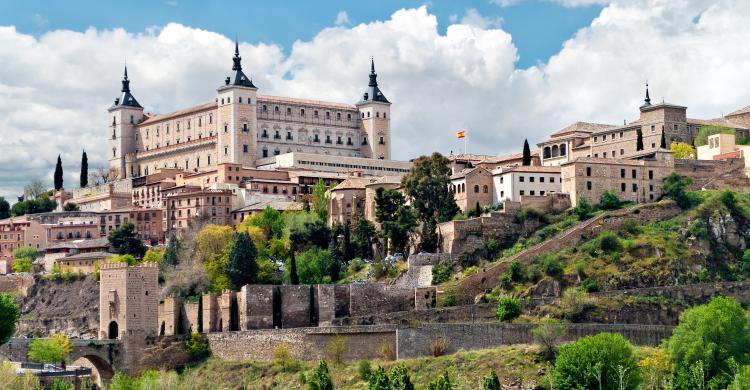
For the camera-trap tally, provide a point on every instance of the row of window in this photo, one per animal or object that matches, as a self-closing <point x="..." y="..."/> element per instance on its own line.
<point x="522" y="179"/>
<point x="461" y="188"/>
<point x="633" y="173"/>
<point x="316" y="138"/>
<point x="353" y="166"/>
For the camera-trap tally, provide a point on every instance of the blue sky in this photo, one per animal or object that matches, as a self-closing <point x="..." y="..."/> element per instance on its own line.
<point x="538" y="27"/>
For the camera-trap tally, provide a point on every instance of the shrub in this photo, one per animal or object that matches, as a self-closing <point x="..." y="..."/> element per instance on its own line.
<point x="441" y="273"/>
<point x="491" y="382"/>
<point x="197" y="346"/>
<point x="59" y="384"/>
<point x="450" y="299"/>
<point x="532" y="273"/>
<point x="551" y="265"/>
<point x="506" y="281"/>
<point x="713" y="336"/>
<point x="508" y="308"/>
<point x="442" y="382"/>
<point x="741" y="380"/>
<point x="336" y="349"/>
<point x="438" y="346"/>
<point x="675" y="187"/>
<point x="549" y="334"/>
<point x="609" y="201"/>
<point x="364" y="369"/>
<point x="9" y="314"/>
<point x="656" y="370"/>
<point x="698" y="229"/>
<point x="631" y="225"/>
<point x="590" y="285"/>
<point x="583" y="209"/>
<point x="379" y="380"/>
<point x="123" y="382"/>
<point x="321" y="378"/>
<point x="400" y="380"/>
<point x="516" y="271"/>
<point x="609" y="242"/>
<point x="574" y="303"/>
<point x="282" y="359"/>
<point x="604" y="361"/>
<point x="493" y="248"/>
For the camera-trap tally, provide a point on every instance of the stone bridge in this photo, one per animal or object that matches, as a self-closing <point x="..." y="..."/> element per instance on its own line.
<point x="104" y="355"/>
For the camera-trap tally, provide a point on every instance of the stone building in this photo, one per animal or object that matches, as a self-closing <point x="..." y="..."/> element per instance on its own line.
<point x="240" y="127"/>
<point x="471" y="187"/>
<point x="349" y="199"/>
<point x="514" y="183"/>
<point x="147" y="223"/>
<point x="211" y="206"/>
<point x="638" y="179"/>
<point x="723" y="146"/>
<point x="128" y="300"/>
<point x="16" y="232"/>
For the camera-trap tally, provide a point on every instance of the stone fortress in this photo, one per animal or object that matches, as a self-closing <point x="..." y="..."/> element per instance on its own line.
<point x="243" y="127"/>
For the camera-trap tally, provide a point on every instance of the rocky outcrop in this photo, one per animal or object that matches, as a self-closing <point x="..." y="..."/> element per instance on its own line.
<point x="64" y="306"/>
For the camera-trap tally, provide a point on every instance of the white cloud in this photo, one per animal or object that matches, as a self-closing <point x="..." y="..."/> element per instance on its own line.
<point x="54" y="90"/>
<point x="342" y="19"/>
<point x="581" y="3"/>
<point x="474" y="18"/>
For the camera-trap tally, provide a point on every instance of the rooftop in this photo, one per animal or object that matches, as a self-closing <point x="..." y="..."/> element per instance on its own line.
<point x="582" y="127"/>
<point x="527" y="168"/>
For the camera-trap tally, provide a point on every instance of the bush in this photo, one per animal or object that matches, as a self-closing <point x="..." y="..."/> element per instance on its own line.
<point x="508" y="308"/>
<point x="442" y="382"/>
<point x="439" y="346"/>
<point x="549" y="334"/>
<point x="574" y="303"/>
<point x="379" y="380"/>
<point x="9" y="314"/>
<point x="741" y="380"/>
<point x="675" y="187"/>
<point x="59" y="384"/>
<point x="399" y="378"/>
<point x="493" y="248"/>
<point x="656" y="370"/>
<point x="609" y="201"/>
<point x="386" y="351"/>
<point x="506" y="281"/>
<point x="441" y="273"/>
<point x="713" y="336"/>
<point x="337" y="348"/>
<point x="450" y="299"/>
<point x="583" y="209"/>
<point x="53" y="350"/>
<point x="551" y="265"/>
<point x="364" y="369"/>
<point x="532" y="273"/>
<point x="321" y="378"/>
<point x="197" y="346"/>
<point x="491" y="382"/>
<point x="609" y="242"/>
<point x="516" y="271"/>
<point x="590" y="285"/>
<point x="282" y="359"/>
<point x="604" y="361"/>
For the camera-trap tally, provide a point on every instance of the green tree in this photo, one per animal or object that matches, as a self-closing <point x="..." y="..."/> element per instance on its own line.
<point x="4" y="208"/>
<point x="663" y="143"/>
<point x="426" y="184"/>
<point x="715" y="336"/>
<point x="491" y="382"/>
<point x="9" y="315"/>
<point x="639" y="139"/>
<point x="443" y="382"/>
<point x="125" y="241"/>
<point x="212" y="245"/>
<point x="583" y="209"/>
<point x="397" y="219"/>
<point x="364" y="233"/>
<point x="508" y="308"/>
<point x="741" y="380"/>
<point x="321" y="378"/>
<point x="676" y="187"/>
<point x="315" y="266"/>
<point x="52" y="350"/>
<point x="399" y="377"/>
<point x="379" y="380"/>
<point x="23" y="259"/>
<point x="683" y="150"/>
<point x="526" y="159"/>
<point x="58" y="174"/>
<point x="172" y="253"/>
<point x="84" y="170"/>
<point x="334" y="249"/>
<point x="604" y="361"/>
<point x="154" y="255"/>
<point x="704" y="131"/>
<point x="320" y="200"/>
<point x="549" y="334"/>
<point x="70" y="206"/>
<point x="609" y="201"/>
<point x="242" y="267"/>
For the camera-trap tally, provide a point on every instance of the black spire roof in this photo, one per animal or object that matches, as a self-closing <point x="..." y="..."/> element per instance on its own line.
<point x="127" y="99"/>
<point x="373" y="93"/>
<point x="647" y="100"/>
<point x="239" y="77"/>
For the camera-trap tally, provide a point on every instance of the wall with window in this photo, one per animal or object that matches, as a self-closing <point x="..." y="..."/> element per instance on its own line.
<point x="512" y="185"/>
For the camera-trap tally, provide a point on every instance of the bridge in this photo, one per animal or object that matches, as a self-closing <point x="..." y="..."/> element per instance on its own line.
<point x="106" y="356"/>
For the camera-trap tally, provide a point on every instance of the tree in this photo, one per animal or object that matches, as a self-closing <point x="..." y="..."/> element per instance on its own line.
<point x="683" y="151"/>
<point x="125" y="241"/>
<point x="663" y="143"/>
<point x="426" y="184"/>
<point x="549" y="334"/>
<point x="4" y="208"/>
<point x="320" y="200"/>
<point x="103" y="175"/>
<point x="321" y="378"/>
<point x="293" y="275"/>
<point x="526" y="160"/>
<point x="58" y="174"/>
<point x="33" y="190"/>
<point x="508" y="308"/>
<point x="41" y="204"/>
<point x="242" y="267"/>
<point x="443" y="382"/>
<point x="212" y="246"/>
<point x="154" y="255"/>
<point x="70" y="206"/>
<point x="334" y="248"/>
<point x="675" y="187"/>
<point x="379" y="380"/>
<point x="399" y="378"/>
<point x="9" y="315"/>
<point x="582" y="209"/>
<point x="741" y="380"/>
<point x="705" y="131"/>
<point x="84" y="170"/>
<point x="364" y="232"/>
<point x="715" y="336"/>
<point x="609" y="201"/>
<point x="315" y="266"/>
<point x="397" y="219"/>
<point x="604" y="361"/>
<point x="23" y="259"/>
<point x="53" y="350"/>
<point x="491" y="382"/>
<point x="639" y="139"/>
<point x="172" y="253"/>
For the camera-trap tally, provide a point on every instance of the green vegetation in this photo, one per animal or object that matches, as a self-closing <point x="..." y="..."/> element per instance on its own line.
<point x="53" y="350"/>
<point x="126" y="242"/>
<point x="4" y="208"/>
<point x="9" y="315"/>
<point x="41" y="204"/>
<point x="197" y="346"/>
<point x="70" y="206"/>
<point x="58" y="177"/>
<point x="441" y="273"/>
<point x="242" y="268"/>
<point x="683" y="150"/>
<point x="610" y="201"/>
<point x="705" y="131"/>
<point x="84" y="179"/>
<point x="508" y="308"/>
<point x="321" y="378"/>
<point x="23" y="258"/>
<point x="526" y="157"/>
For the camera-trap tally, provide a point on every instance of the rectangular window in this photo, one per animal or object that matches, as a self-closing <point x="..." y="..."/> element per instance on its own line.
<point x="588" y="171"/>
<point x="551" y="179"/>
<point x="244" y="148"/>
<point x="531" y="192"/>
<point x="634" y="173"/>
<point x="622" y="187"/>
<point x="521" y="179"/>
<point x="541" y="179"/>
<point x="635" y="187"/>
<point x="650" y="174"/>
<point x="531" y="179"/>
<point x="521" y="192"/>
<point x="588" y="185"/>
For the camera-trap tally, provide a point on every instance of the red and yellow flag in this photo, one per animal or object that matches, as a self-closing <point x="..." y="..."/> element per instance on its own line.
<point x="461" y="134"/>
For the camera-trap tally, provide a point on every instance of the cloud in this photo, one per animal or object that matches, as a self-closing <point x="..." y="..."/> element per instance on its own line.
<point x="474" y="18"/>
<point x="342" y="19"/>
<point x="55" y="89"/>
<point x="39" y="20"/>
<point x="581" y="3"/>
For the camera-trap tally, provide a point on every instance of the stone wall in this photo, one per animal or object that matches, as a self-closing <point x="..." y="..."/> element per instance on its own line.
<point x="256" y="307"/>
<point x="17" y="283"/>
<point x="726" y="174"/>
<point x="296" y="302"/>
<point x="488" y="277"/>
<point x="553" y="202"/>
<point x="370" y="298"/>
<point x="692" y="294"/>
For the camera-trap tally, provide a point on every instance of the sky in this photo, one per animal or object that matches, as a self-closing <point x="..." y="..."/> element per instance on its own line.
<point x="502" y="70"/>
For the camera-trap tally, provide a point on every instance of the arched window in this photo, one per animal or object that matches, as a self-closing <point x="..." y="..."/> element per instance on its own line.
<point x="113" y="331"/>
<point x="486" y="189"/>
<point x="222" y="100"/>
<point x="563" y="149"/>
<point x="555" y="151"/>
<point x="289" y="111"/>
<point x="546" y="152"/>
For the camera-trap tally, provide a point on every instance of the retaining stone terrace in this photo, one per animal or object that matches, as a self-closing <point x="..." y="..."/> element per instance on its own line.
<point x="488" y="277"/>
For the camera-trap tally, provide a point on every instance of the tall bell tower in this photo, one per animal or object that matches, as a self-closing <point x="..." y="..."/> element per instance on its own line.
<point x="124" y="114"/>
<point x="375" y="114"/>
<point x="236" y="119"/>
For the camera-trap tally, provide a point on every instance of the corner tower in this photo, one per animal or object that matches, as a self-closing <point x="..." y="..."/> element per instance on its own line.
<point x="375" y="113"/>
<point x="236" y="119"/>
<point x="124" y="114"/>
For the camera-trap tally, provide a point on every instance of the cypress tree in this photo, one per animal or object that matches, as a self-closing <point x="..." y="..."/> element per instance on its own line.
<point x="639" y="140"/>
<point x="526" y="153"/>
<point x="663" y="141"/>
<point x="293" y="276"/>
<point x="84" y="170"/>
<point x="58" y="174"/>
<point x="242" y="268"/>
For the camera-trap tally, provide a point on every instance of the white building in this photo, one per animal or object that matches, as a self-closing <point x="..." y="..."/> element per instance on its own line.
<point x="514" y="182"/>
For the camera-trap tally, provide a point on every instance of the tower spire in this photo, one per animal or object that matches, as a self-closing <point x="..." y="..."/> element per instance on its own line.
<point x="238" y="77"/>
<point x="373" y="75"/>
<point x="237" y="59"/>
<point x="125" y="81"/>
<point x="647" y="100"/>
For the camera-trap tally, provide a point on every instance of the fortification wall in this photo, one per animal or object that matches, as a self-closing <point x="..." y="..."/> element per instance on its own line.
<point x="369" y="298"/>
<point x="256" y="306"/>
<point x="16" y="284"/>
<point x="692" y="294"/>
<point x="555" y="202"/>
<point x="297" y="306"/>
<point x="726" y="174"/>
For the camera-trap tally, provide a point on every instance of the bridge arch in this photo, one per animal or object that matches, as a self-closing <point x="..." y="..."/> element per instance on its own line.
<point x="101" y="369"/>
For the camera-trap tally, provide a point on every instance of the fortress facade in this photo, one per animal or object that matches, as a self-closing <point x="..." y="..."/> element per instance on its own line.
<point x="241" y="127"/>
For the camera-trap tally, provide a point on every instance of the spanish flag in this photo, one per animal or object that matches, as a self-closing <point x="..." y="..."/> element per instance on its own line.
<point x="461" y="134"/>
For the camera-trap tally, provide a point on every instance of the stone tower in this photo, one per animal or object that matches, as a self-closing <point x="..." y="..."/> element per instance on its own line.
<point x="124" y="115"/>
<point x="236" y="118"/>
<point x="128" y="300"/>
<point x="375" y="112"/>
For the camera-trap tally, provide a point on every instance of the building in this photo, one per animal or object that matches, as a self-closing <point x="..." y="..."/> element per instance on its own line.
<point x="723" y="146"/>
<point x="472" y="187"/>
<point x="210" y="206"/>
<point x="241" y="126"/>
<point x="128" y="300"/>
<point x="637" y="179"/>
<point x="16" y="232"/>
<point x="328" y="163"/>
<point x="239" y="215"/>
<point x="514" y="183"/>
<point x="147" y="222"/>
<point x="85" y="263"/>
